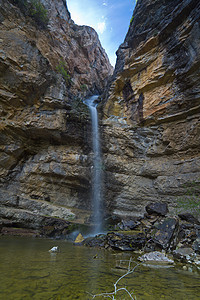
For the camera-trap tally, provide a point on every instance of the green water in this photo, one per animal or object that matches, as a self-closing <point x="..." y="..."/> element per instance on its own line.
<point x="29" y="271"/>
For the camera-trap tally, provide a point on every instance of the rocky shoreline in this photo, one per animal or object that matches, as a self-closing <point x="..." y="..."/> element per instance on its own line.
<point x="153" y="236"/>
<point x="178" y="236"/>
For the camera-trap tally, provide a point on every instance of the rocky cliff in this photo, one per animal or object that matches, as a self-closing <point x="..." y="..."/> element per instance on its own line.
<point x="150" y="119"/>
<point x="151" y="128"/>
<point x="47" y="64"/>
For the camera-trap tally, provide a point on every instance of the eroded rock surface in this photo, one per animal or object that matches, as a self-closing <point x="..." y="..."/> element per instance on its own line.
<point x="45" y="71"/>
<point x="151" y="128"/>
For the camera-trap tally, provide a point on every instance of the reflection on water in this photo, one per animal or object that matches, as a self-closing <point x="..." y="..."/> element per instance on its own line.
<point x="29" y="271"/>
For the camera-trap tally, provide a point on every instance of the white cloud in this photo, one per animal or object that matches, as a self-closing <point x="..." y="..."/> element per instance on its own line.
<point x="101" y="27"/>
<point x="104" y="3"/>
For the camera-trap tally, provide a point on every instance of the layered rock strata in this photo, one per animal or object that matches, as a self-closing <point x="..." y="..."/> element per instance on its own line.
<point x="151" y="114"/>
<point x="45" y="71"/>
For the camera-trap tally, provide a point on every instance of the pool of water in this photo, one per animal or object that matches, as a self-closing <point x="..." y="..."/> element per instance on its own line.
<point x="29" y="271"/>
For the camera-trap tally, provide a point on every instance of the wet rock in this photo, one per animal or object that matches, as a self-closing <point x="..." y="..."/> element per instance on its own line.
<point x="184" y="254"/>
<point x="53" y="227"/>
<point x="164" y="233"/>
<point x="54" y="249"/>
<point x="50" y="220"/>
<point x="155" y="256"/>
<point x="186" y="234"/>
<point x="124" y="242"/>
<point x="79" y="239"/>
<point x="20" y="232"/>
<point x="189" y="218"/>
<point x="196" y="245"/>
<point x="111" y="222"/>
<point x="98" y="241"/>
<point x="157" y="208"/>
<point x="6" y="223"/>
<point x="117" y="241"/>
<point x="146" y="224"/>
<point x="127" y="225"/>
<point x="187" y="255"/>
<point x="151" y="218"/>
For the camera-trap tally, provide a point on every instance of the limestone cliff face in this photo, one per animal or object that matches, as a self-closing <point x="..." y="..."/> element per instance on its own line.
<point x="44" y="128"/>
<point x="151" y="114"/>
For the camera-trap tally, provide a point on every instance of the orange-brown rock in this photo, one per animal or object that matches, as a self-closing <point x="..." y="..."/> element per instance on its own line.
<point x="45" y="71"/>
<point x="151" y="114"/>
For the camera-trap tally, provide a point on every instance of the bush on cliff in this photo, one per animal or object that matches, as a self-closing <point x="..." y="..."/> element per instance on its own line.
<point x="62" y="69"/>
<point x="38" y="12"/>
<point x="34" y="9"/>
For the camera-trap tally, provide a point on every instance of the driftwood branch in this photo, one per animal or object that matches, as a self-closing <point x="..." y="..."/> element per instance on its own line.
<point x="112" y="295"/>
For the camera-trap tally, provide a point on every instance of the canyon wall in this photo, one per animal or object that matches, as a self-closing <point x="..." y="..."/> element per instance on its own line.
<point x="47" y="65"/>
<point x="151" y="128"/>
<point x="150" y="113"/>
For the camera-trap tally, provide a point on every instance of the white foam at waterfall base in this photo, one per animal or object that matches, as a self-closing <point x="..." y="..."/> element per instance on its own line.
<point x="97" y="217"/>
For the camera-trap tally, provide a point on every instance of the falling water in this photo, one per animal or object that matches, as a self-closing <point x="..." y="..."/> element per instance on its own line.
<point x="97" y="165"/>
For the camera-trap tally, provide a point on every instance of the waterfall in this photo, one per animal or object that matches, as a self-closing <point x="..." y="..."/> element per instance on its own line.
<point x="97" y="166"/>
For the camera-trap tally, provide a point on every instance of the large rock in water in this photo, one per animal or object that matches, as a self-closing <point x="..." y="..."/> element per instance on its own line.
<point x="46" y="68"/>
<point x="152" y="110"/>
<point x="156" y="257"/>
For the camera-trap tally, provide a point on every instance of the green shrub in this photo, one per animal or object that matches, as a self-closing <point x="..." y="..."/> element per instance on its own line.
<point x="83" y="87"/>
<point x="34" y="9"/>
<point x="38" y="12"/>
<point x="62" y="69"/>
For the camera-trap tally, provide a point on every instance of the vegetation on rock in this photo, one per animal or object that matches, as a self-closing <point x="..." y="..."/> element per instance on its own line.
<point x="34" y="9"/>
<point x="84" y="87"/>
<point x="131" y="19"/>
<point x="62" y="69"/>
<point x="190" y="201"/>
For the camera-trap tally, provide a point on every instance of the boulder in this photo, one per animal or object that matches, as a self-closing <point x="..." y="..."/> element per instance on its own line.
<point x="184" y="254"/>
<point x="79" y="239"/>
<point x="155" y="256"/>
<point x="165" y="233"/>
<point x="187" y="233"/>
<point x="53" y="227"/>
<point x="119" y="241"/>
<point x="157" y="208"/>
<point x="189" y="218"/>
<point x="98" y="241"/>
<point x="111" y="221"/>
<point x="127" y="225"/>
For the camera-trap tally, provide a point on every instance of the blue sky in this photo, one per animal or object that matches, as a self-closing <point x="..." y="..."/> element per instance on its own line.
<point x="110" y="18"/>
